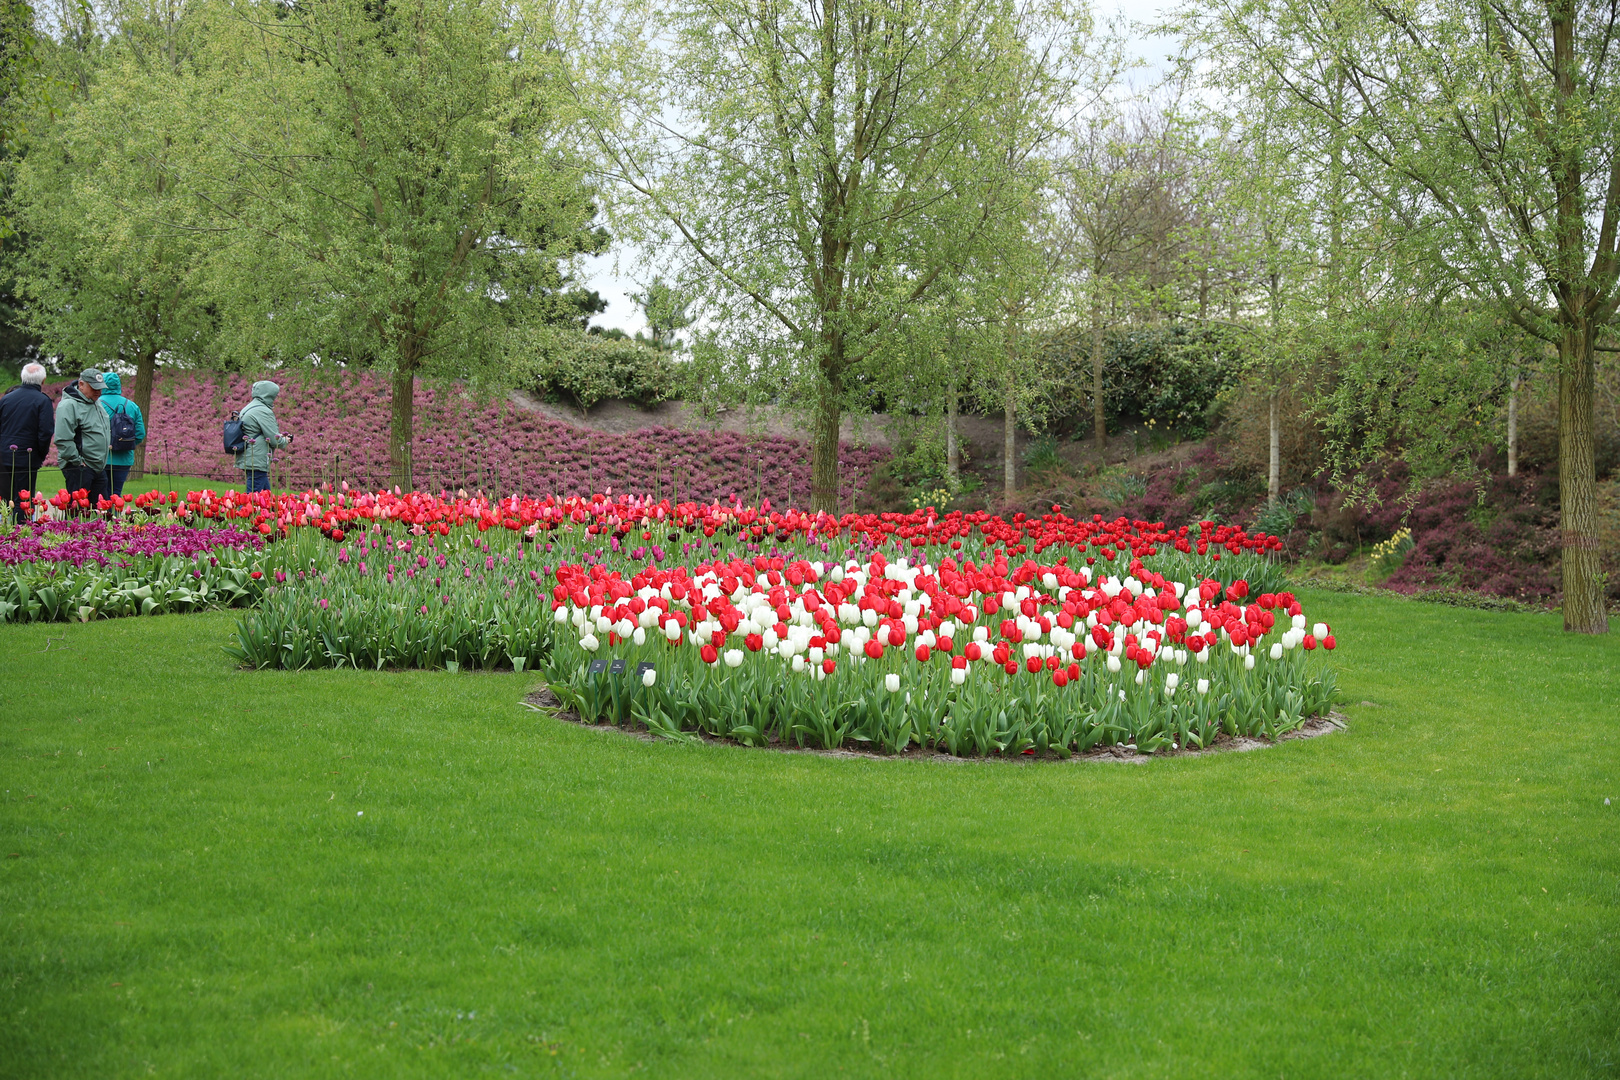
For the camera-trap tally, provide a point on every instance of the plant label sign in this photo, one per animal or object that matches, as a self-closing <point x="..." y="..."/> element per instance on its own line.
<point x="644" y="667"/>
<point x="619" y="664"/>
<point x="598" y="666"/>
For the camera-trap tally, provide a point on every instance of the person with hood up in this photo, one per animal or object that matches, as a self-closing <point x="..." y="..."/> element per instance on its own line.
<point x="120" y="459"/>
<point x="260" y="436"/>
<point x="82" y="435"/>
<point x="26" y="427"/>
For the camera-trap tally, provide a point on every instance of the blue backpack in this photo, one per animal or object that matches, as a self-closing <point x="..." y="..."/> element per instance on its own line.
<point x="235" y="439"/>
<point x="123" y="431"/>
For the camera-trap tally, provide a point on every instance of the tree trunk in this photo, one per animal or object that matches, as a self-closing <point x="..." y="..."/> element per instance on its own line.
<point x="1099" y="419"/>
<point x="145" y="375"/>
<point x="1274" y="465"/>
<point x="824" y="447"/>
<point x="1009" y="440"/>
<point x="1513" y="426"/>
<point x="953" y="451"/>
<point x="402" y="426"/>
<point x="1584" y="603"/>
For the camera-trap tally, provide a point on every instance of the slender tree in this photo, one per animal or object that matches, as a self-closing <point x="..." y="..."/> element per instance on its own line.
<point x="396" y="176"/>
<point x="1489" y="136"/>
<point x="829" y="163"/>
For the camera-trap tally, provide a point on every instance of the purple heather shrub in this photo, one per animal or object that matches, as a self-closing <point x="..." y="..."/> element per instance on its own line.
<point x="341" y="428"/>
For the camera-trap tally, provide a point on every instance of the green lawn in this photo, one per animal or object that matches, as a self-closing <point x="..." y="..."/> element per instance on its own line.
<point x="223" y="873"/>
<point x="50" y="481"/>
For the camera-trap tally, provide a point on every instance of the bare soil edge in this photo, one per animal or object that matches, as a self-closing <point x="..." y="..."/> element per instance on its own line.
<point x="543" y="700"/>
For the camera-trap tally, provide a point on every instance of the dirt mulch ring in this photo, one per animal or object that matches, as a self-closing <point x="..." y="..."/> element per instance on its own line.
<point x="543" y="700"/>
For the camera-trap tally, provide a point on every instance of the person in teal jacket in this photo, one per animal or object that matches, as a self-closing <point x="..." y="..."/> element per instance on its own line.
<point x="119" y="461"/>
<point x="260" y="435"/>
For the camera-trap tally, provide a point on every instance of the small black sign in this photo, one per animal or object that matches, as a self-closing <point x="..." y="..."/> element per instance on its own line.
<point x="644" y="667"/>
<point x="618" y="666"/>
<point x="598" y="665"/>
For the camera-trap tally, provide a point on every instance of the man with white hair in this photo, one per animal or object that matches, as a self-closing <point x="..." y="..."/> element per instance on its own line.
<point x="26" y="427"/>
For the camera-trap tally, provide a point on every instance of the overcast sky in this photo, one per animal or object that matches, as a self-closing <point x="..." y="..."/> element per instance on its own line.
<point x="622" y="271"/>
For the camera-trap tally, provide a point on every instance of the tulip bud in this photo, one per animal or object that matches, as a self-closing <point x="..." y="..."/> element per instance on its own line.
<point x="1113" y="664"/>
<point x="1276" y="650"/>
<point x="1248" y="662"/>
<point x="891" y="683"/>
<point x="649" y="676"/>
<point x="1203" y="686"/>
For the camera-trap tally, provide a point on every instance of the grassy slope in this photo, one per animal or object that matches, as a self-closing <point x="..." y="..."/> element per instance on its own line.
<point x="1433" y="893"/>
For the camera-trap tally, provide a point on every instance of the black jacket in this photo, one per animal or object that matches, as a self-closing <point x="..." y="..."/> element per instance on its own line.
<point x="27" y="421"/>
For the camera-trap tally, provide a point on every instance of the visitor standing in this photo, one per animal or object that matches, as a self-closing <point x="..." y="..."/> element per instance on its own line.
<point x="26" y="426"/>
<point x="260" y="436"/>
<point x="82" y="434"/>
<point x="128" y="430"/>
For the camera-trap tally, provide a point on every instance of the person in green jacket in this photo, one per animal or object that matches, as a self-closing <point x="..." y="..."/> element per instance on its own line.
<point x="82" y="435"/>
<point x="119" y="462"/>
<point x="260" y="435"/>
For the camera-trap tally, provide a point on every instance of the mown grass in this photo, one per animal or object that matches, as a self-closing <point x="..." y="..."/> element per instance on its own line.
<point x="50" y="482"/>
<point x="219" y="872"/>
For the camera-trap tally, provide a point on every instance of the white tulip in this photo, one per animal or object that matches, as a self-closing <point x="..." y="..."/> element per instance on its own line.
<point x="672" y="630"/>
<point x="1248" y="663"/>
<point x="1113" y="664"/>
<point x="981" y="634"/>
<point x="1203" y="655"/>
<point x="869" y="618"/>
<point x="1172" y="680"/>
<point x="649" y="676"/>
<point x="589" y="643"/>
<point x="560" y="615"/>
<point x="816" y="656"/>
<point x="1276" y="650"/>
<point x="1141" y="676"/>
<point x="798" y="664"/>
<point x="1203" y="686"/>
<point x="958" y="676"/>
<point x="639" y="636"/>
<point x="891" y="682"/>
<point x="770" y="638"/>
<point x="1049" y="580"/>
<point x="1299" y="622"/>
<point x="1319" y="631"/>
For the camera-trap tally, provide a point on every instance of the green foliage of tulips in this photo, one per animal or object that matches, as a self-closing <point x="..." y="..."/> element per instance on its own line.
<point x="155" y="587"/>
<point x="991" y="713"/>
<point x="480" y="611"/>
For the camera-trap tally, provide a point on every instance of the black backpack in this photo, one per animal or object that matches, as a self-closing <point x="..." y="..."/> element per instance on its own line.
<point x="123" y="432"/>
<point x="235" y="438"/>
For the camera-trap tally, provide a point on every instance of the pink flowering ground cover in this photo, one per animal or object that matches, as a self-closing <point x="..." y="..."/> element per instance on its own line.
<point x="341" y="433"/>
